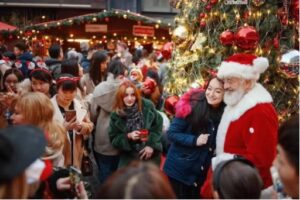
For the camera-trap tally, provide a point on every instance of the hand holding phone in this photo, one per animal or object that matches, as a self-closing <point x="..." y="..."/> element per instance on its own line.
<point x="75" y="178"/>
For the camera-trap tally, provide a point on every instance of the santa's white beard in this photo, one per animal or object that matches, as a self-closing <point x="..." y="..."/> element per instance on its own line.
<point x="231" y="98"/>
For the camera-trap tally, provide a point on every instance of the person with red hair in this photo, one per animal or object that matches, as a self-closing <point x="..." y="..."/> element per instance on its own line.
<point x="132" y="119"/>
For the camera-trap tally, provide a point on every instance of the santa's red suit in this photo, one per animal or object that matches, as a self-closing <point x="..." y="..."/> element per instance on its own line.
<point x="248" y="129"/>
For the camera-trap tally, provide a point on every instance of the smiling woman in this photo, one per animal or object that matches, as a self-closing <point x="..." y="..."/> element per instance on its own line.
<point x="132" y="114"/>
<point x="193" y="135"/>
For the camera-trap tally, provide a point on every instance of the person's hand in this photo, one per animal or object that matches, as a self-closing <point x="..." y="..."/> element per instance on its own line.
<point x="63" y="184"/>
<point x="146" y="153"/>
<point x="77" y="126"/>
<point x="70" y="125"/>
<point x="80" y="191"/>
<point x="202" y="139"/>
<point x="134" y="135"/>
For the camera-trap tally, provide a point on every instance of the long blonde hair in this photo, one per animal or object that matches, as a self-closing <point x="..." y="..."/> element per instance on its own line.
<point x="38" y="110"/>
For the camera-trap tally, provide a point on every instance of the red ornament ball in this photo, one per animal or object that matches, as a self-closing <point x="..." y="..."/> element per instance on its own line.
<point x="208" y="7"/>
<point x="246" y="37"/>
<point x="276" y="42"/>
<point x="202" y="23"/>
<point x="106" y="19"/>
<point x="202" y="15"/>
<point x="167" y="50"/>
<point x="170" y="104"/>
<point x="213" y="2"/>
<point x="227" y="38"/>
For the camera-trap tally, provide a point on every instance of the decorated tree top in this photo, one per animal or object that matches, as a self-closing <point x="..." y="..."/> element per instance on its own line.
<point x="208" y="31"/>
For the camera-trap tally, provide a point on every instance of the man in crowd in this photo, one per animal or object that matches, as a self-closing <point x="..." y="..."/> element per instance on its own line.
<point x="249" y="125"/>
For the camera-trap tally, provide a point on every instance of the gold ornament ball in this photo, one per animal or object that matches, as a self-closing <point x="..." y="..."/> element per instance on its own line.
<point x="180" y="33"/>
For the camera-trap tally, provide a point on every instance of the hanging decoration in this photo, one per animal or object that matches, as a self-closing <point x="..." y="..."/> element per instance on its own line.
<point x="227" y="38"/>
<point x="247" y="37"/>
<point x="289" y="64"/>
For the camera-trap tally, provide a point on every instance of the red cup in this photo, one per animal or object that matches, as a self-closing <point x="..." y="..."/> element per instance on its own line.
<point x="144" y="135"/>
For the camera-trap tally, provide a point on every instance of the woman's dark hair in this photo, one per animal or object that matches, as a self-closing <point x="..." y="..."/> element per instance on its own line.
<point x="21" y="46"/>
<point x="70" y="66"/>
<point x="95" y="70"/>
<point x="14" y="71"/>
<point x="10" y="55"/>
<point x="201" y="111"/>
<point x="116" y="67"/>
<point x="41" y="75"/>
<point x="237" y="179"/>
<point x="54" y="51"/>
<point x="45" y="76"/>
<point x="139" y="180"/>
<point x="288" y="139"/>
<point x="67" y="85"/>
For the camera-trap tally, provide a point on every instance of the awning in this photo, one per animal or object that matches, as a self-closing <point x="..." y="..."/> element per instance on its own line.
<point x="6" y="27"/>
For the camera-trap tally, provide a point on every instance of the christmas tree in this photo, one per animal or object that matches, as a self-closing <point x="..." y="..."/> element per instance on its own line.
<point x="208" y="31"/>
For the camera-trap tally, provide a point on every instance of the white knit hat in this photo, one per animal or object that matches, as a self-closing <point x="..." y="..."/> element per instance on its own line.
<point x="246" y="66"/>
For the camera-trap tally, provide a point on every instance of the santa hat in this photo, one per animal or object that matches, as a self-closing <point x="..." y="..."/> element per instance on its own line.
<point x="246" y="66"/>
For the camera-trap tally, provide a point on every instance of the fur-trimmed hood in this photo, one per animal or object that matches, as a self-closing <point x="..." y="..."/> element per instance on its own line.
<point x="183" y="107"/>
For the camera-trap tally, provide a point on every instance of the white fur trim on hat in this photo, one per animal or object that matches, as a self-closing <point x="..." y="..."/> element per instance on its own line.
<point x="229" y="69"/>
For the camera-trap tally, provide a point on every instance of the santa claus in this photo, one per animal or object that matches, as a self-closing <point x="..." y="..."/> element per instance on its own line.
<point x="249" y="125"/>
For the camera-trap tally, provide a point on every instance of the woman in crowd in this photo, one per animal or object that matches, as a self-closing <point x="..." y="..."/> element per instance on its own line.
<point x="236" y="179"/>
<point x="97" y="72"/>
<point x="79" y="125"/>
<point x="287" y="160"/>
<point x="34" y="108"/>
<point x="107" y="157"/>
<point x="136" y="77"/>
<point x="139" y="180"/>
<point x="132" y="114"/>
<point x="41" y="81"/>
<point x="11" y="79"/>
<point x="193" y="138"/>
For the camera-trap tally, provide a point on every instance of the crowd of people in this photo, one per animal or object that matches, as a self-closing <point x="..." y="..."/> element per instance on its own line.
<point x="61" y="112"/>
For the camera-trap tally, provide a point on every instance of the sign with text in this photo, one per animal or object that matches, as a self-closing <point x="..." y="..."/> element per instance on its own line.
<point x="236" y="2"/>
<point x="93" y="28"/>
<point x="143" y="30"/>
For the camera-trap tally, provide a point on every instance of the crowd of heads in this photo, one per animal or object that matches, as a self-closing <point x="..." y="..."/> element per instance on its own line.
<point x="22" y="145"/>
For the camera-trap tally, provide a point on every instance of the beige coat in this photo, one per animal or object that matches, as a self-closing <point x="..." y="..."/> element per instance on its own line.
<point x="101" y="108"/>
<point x="78" y="137"/>
<point x="87" y="83"/>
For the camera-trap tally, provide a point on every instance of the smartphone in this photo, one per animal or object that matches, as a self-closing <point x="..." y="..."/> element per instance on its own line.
<point x="75" y="178"/>
<point x="70" y="114"/>
<point x="277" y="184"/>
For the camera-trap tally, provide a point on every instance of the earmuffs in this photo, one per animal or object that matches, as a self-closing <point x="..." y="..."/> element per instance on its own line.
<point x="218" y="171"/>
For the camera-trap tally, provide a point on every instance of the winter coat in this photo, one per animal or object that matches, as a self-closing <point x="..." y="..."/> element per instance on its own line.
<point x="24" y="58"/>
<point x="248" y="129"/>
<point x="101" y="108"/>
<point x="54" y="66"/>
<point x="186" y="162"/>
<point x="118" y="134"/>
<point x="87" y="83"/>
<point x="78" y="137"/>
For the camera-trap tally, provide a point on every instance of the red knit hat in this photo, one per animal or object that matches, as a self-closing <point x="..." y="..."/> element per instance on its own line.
<point x="246" y="66"/>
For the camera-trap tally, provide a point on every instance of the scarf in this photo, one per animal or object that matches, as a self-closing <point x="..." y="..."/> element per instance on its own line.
<point x="134" y="118"/>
